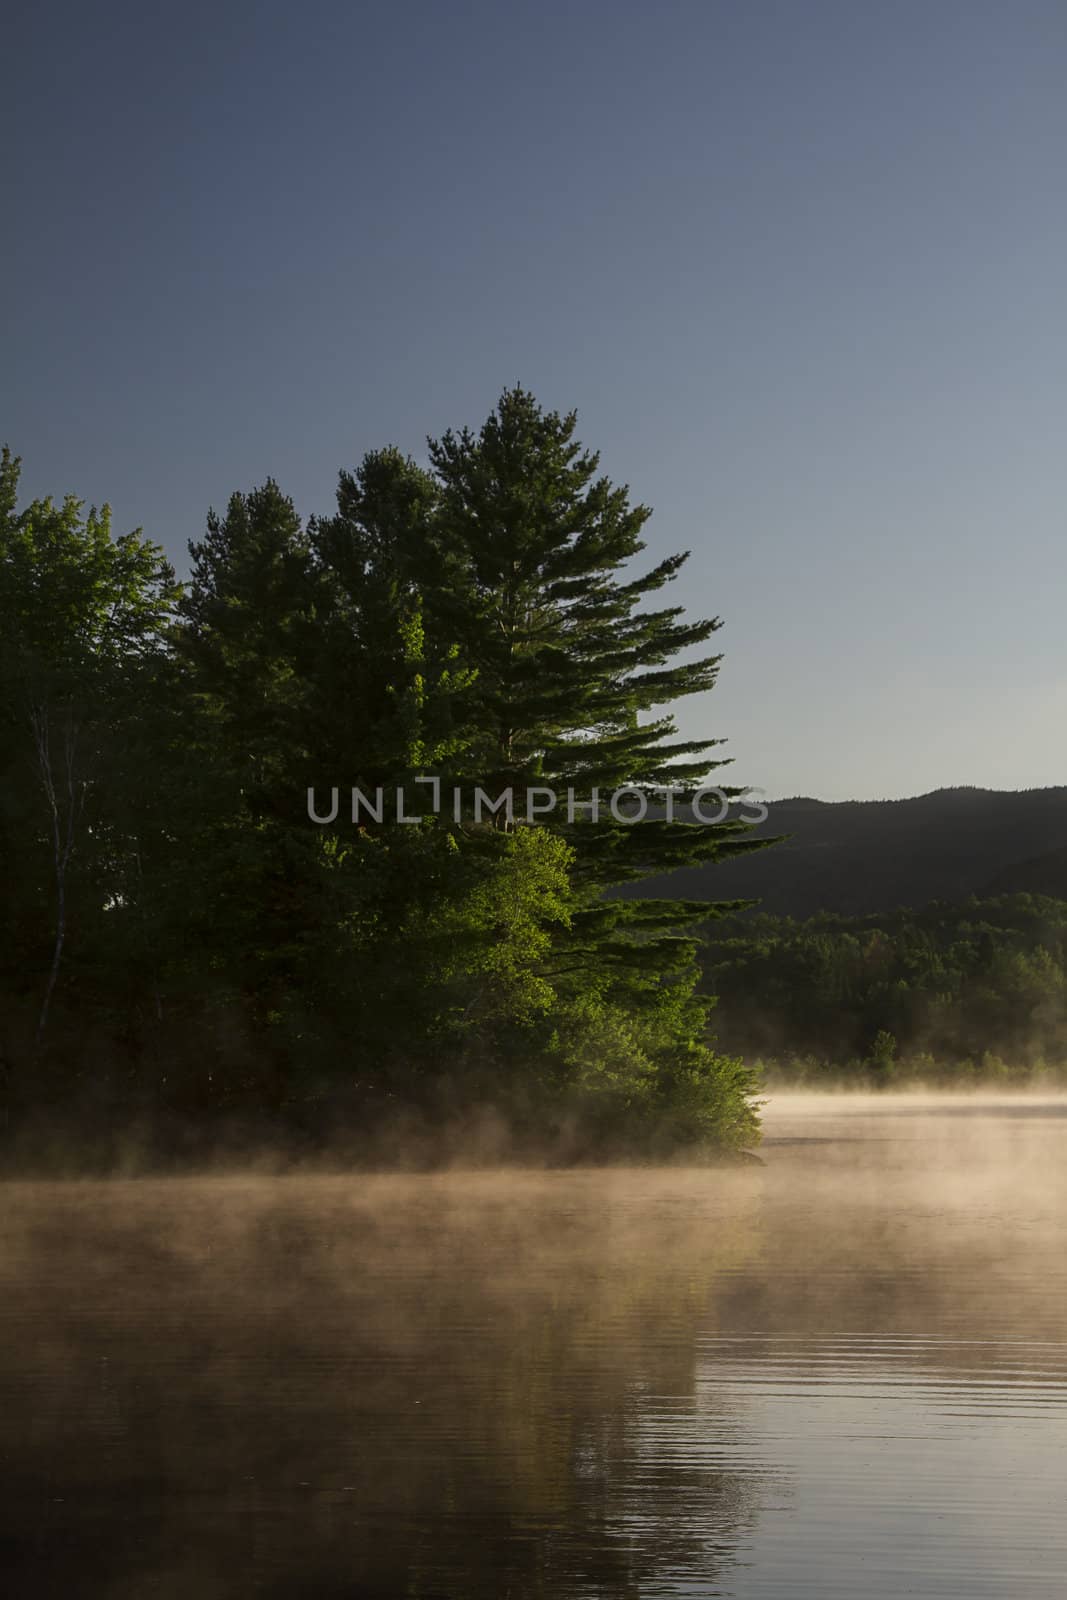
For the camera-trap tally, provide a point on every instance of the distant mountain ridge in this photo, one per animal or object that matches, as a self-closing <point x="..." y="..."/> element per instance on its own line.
<point x="857" y="856"/>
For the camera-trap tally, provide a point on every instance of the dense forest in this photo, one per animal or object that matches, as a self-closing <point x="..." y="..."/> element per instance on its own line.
<point x="183" y="947"/>
<point x="970" y="991"/>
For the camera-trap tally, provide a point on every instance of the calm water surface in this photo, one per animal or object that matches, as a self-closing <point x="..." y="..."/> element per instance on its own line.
<point x="842" y="1373"/>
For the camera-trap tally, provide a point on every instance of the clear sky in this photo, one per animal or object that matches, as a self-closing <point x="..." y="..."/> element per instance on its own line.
<point x="801" y="267"/>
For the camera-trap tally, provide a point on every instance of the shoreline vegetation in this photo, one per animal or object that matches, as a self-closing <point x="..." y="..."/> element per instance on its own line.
<point x="910" y="1074"/>
<point x="974" y="993"/>
<point x="183" y="950"/>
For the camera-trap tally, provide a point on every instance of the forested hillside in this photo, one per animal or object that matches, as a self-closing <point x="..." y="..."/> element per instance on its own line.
<point x="855" y="856"/>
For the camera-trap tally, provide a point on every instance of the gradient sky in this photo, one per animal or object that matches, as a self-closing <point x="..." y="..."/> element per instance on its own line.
<point x="801" y="267"/>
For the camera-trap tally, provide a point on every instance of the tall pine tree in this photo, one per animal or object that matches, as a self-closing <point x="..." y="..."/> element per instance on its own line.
<point x="521" y="553"/>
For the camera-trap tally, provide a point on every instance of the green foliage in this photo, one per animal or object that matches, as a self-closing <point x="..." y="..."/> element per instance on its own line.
<point x="978" y="988"/>
<point x="83" y="619"/>
<point x="478" y="622"/>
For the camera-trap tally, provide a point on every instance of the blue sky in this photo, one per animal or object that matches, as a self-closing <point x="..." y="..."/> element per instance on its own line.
<point x="801" y="267"/>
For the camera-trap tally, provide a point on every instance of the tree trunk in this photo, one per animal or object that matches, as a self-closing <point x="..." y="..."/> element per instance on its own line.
<point x="63" y="832"/>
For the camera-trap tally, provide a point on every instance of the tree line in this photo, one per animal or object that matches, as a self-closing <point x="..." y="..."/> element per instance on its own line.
<point x="976" y="990"/>
<point x="181" y="942"/>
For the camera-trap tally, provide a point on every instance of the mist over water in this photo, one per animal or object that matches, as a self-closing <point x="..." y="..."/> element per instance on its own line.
<point x="842" y="1372"/>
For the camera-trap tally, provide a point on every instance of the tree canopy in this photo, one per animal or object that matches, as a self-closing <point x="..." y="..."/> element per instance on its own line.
<point x="193" y="942"/>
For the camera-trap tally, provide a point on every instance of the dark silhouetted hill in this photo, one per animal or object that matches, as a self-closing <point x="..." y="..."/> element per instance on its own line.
<point x="1045" y="874"/>
<point x="857" y="856"/>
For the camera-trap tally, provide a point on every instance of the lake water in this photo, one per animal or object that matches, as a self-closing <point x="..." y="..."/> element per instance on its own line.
<point x="842" y="1373"/>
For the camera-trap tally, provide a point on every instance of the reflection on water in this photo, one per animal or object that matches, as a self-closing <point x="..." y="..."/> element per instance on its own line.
<point x="842" y="1373"/>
